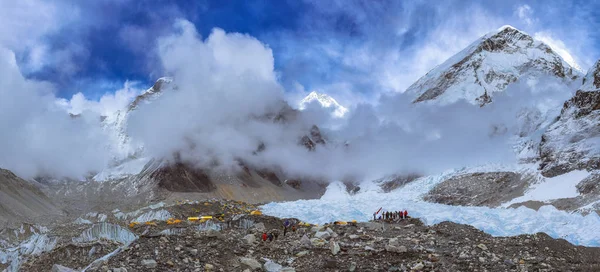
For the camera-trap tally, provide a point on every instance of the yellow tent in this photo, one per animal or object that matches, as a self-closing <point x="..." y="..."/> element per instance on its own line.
<point x="256" y="213"/>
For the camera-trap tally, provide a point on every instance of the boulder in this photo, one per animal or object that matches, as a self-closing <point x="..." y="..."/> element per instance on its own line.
<point x="323" y="235"/>
<point x="418" y="266"/>
<point x="149" y="263"/>
<point x="305" y="241"/>
<point x="260" y="227"/>
<point x="271" y="266"/>
<point x="249" y="239"/>
<point x="396" y="249"/>
<point x="317" y="242"/>
<point x="60" y="268"/>
<point x="250" y="263"/>
<point x="334" y="247"/>
<point x="302" y="253"/>
<point x="215" y="234"/>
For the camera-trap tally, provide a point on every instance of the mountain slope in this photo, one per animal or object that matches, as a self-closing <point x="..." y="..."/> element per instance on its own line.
<point x="488" y="66"/>
<point x="573" y="141"/>
<point x="22" y="201"/>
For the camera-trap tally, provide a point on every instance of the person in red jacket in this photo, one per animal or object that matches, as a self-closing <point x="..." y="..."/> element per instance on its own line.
<point x="264" y="237"/>
<point x="405" y="214"/>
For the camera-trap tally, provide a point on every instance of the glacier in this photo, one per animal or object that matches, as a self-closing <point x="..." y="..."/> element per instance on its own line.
<point x="337" y="204"/>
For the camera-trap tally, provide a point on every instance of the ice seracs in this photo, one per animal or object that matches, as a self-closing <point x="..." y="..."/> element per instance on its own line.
<point x="325" y="101"/>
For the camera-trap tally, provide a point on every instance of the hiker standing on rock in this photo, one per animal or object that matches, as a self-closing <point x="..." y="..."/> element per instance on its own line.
<point x="405" y="214"/>
<point x="264" y="236"/>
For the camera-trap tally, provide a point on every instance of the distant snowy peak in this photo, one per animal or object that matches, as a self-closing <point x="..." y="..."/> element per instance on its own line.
<point x="154" y="92"/>
<point x="488" y="66"/>
<point x="325" y="101"/>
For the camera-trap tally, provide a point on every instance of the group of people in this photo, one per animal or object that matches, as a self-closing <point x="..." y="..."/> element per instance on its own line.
<point x="395" y="215"/>
<point x="274" y="234"/>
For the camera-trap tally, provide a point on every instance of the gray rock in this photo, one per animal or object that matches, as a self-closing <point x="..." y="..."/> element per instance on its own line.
<point x="397" y="249"/>
<point x="368" y="248"/>
<point x="250" y="263"/>
<point x="334" y="247"/>
<point x="149" y="263"/>
<point x="323" y="235"/>
<point x="482" y="246"/>
<point x="302" y="253"/>
<point x="60" y="268"/>
<point x="352" y="267"/>
<point x="214" y="233"/>
<point x="317" y="242"/>
<point x="260" y="227"/>
<point x="209" y="267"/>
<point x="393" y="242"/>
<point x="331" y="232"/>
<point x="353" y="236"/>
<point x="418" y="266"/>
<point x="120" y="269"/>
<point x="193" y="251"/>
<point x="288" y="269"/>
<point x="305" y="241"/>
<point x="271" y="266"/>
<point x="249" y="239"/>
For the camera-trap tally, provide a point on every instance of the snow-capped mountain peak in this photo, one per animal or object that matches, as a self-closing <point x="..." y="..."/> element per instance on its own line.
<point x="325" y="101"/>
<point x="488" y="66"/>
<point x="116" y="123"/>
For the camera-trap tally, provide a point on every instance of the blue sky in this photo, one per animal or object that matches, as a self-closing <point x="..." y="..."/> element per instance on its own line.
<point x="353" y="50"/>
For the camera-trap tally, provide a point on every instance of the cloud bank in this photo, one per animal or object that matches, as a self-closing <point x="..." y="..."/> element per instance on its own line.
<point x="226" y="86"/>
<point x="38" y="137"/>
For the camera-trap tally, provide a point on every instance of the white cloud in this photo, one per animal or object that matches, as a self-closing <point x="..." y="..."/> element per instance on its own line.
<point x="401" y="68"/>
<point x="226" y="84"/>
<point x="525" y="12"/>
<point x="108" y="104"/>
<point x="39" y="137"/>
<point x="559" y="47"/>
